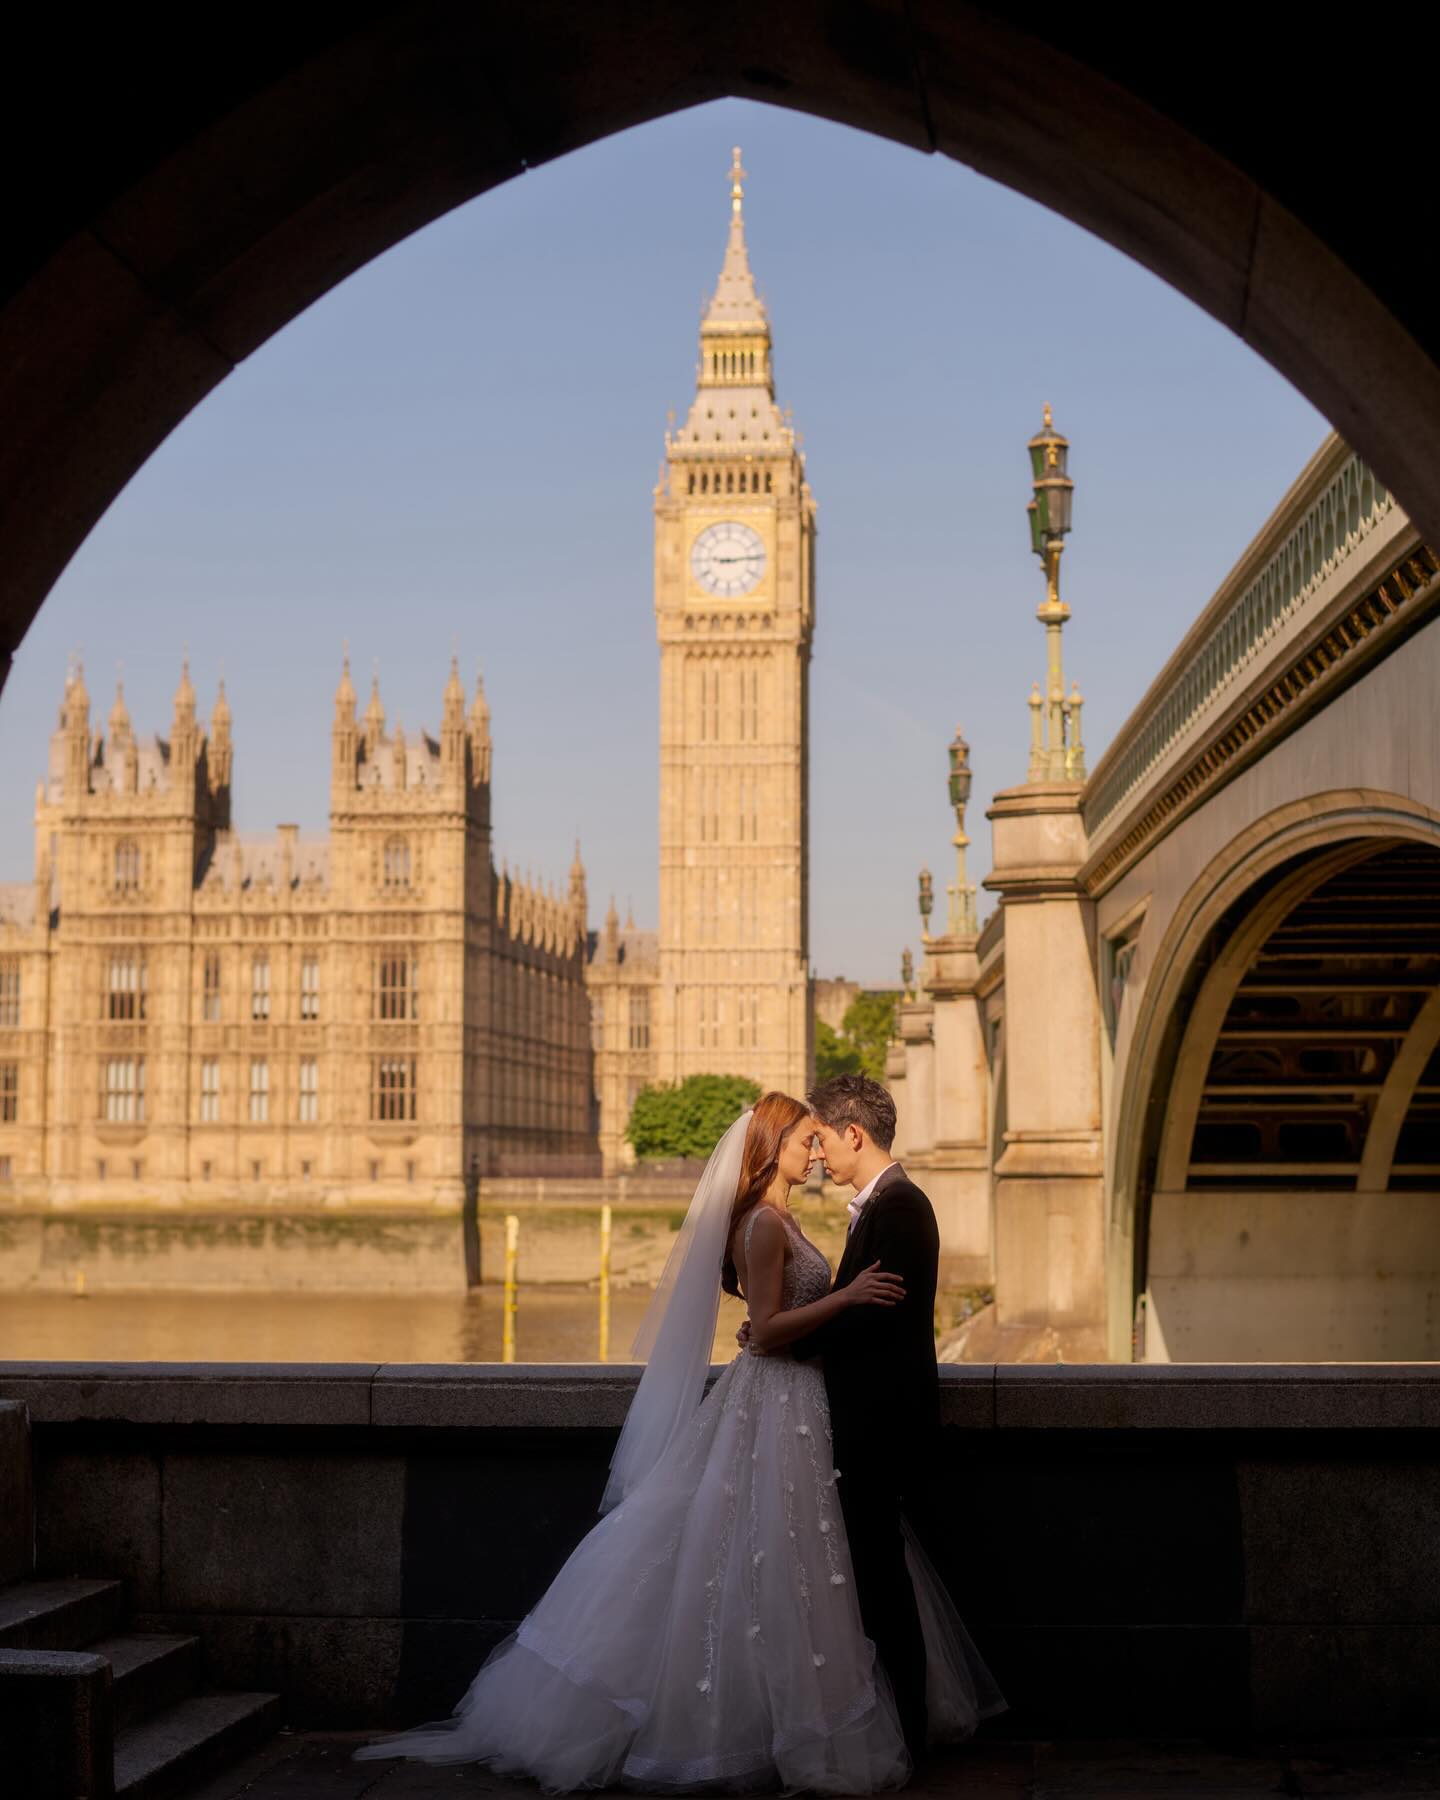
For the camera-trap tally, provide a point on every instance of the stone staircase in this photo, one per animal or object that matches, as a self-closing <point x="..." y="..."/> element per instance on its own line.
<point x="86" y="1707"/>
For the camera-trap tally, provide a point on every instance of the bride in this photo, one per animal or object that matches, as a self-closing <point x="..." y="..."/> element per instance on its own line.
<point x="706" y="1633"/>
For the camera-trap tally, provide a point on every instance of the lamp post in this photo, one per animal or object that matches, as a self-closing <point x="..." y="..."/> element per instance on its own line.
<point x="962" y="895"/>
<point x="1059" y="756"/>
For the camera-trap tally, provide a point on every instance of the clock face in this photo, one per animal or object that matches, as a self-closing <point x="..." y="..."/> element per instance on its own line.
<point x="728" y="559"/>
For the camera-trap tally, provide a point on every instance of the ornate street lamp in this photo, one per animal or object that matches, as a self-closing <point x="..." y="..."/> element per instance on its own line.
<point x="962" y="895"/>
<point x="1056" y="752"/>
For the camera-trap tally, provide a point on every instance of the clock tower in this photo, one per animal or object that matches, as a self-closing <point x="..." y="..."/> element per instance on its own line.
<point x="734" y="609"/>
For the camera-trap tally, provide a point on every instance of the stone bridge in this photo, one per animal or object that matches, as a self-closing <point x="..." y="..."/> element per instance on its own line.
<point x="1181" y="1096"/>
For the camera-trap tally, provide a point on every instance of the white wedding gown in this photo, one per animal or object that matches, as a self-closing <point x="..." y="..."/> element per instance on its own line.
<point x="706" y="1633"/>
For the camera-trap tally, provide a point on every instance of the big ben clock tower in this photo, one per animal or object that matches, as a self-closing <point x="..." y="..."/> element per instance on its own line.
<point x="734" y="608"/>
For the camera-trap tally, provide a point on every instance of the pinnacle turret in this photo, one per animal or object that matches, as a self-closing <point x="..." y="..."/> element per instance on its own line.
<point x="374" y="717"/>
<point x="118" y="726"/>
<point x="345" y="695"/>
<point x="185" y="696"/>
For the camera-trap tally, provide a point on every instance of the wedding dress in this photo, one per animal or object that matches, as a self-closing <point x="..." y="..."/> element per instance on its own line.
<point x="706" y="1632"/>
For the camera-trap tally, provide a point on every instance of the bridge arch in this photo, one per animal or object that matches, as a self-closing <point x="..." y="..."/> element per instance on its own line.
<point x="189" y="205"/>
<point x="1279" y="1193"/>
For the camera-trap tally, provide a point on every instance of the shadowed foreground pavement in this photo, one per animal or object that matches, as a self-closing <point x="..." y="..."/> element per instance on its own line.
<point x="317" y="1766"/>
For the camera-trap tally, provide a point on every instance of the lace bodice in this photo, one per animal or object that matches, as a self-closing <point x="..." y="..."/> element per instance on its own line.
<point x="807" y="1273"/>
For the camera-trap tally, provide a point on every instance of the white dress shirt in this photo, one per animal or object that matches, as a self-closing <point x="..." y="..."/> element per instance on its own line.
<point x="856" y="1206"/>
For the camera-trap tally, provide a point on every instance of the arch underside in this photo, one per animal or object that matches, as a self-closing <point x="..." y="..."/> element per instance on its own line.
<point x="1298" y="1217"/>
<point x="187" y="206"/>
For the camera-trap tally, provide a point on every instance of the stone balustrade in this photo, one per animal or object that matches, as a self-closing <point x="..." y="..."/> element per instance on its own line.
<point x="1323" y="536"/>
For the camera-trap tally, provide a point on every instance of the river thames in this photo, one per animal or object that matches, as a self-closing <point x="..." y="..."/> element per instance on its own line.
<point x="552" y="1324"/>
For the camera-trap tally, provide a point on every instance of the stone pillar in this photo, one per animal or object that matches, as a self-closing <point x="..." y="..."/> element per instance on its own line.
<point x="899" y="1093"/>
<point x="956" y="1165"/>
<point x="913" y="1021"/>
<point x="1049" y="1181"/>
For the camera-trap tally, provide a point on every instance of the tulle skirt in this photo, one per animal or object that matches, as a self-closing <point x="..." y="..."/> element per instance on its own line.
<point x="706" y="1633"/>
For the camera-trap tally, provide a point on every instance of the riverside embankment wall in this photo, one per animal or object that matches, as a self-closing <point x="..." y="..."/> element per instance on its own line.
<point x="279" y="1244"/>
<point x="1139" y="1550"/>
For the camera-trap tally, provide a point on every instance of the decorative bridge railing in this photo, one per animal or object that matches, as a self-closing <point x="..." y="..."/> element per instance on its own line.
<point x="1325" y="534"/>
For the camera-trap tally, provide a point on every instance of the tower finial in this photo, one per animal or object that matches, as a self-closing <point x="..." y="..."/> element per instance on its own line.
<point x="1049" y="421"/>
<point x="737" y="181"/>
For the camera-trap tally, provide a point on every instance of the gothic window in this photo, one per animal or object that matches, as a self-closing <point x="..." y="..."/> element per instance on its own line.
<point x="309" y="1090"/>
<point x="260" y="989"/>
<point x="310" y="987"/>
<point x="767" y="481"/>
<point x="397" y="862"/>
<point x="705" y="482"/>
<point x="259" y="1090"/>
<point x="210" y="1091"/>
<point x="210" y="990"/>
<point x="7" y="1168"/>
<point x="125" y="986"/>
<point x="10" y="991"/>
<point x="127" y="866"/>
<point x="9" y="1093"/>
<point x="394" y="990"/>
<point x="729" y="481"/>
<point x="640" y="1018"/>
<point x="123" y="1095"/>
<point x="690" y="487"/>
<point x="392" y="1088"/>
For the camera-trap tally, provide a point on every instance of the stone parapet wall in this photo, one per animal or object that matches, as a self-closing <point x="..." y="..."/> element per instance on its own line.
<point x="1138" y="1550"/>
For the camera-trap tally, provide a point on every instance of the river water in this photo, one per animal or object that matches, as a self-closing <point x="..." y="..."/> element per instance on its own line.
<point x="552" y="1324"/>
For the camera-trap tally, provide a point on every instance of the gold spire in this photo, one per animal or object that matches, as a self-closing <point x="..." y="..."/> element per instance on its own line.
<point x="735" y="305"/>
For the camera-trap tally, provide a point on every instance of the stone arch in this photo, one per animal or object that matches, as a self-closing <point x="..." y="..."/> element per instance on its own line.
<point x="204" y="199"/>
<point x="1239" y="1087"/>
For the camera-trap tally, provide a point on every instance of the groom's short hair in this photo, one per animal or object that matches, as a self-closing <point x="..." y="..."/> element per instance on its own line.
<point x="855" y="1100"/>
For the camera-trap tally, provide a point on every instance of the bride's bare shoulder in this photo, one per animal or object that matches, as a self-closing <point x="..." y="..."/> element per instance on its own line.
<point x="759" y="1232"/>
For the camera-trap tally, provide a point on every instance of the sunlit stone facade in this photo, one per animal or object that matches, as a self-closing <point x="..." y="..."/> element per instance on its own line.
<point x="186" y="1012"/>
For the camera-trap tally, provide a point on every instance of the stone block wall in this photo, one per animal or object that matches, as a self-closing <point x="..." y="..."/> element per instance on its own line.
<point x="1138" y="1549"/>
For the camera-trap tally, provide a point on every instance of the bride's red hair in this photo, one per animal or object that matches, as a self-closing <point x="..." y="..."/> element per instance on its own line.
<point x="776" y="1116"/>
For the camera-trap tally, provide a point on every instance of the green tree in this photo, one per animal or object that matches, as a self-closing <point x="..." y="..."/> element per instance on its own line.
<point x="834" y="1055"/>
<point x="869" y="1024"/>
<point x="689" y="1118"/>
<point x="859" y="1047"/>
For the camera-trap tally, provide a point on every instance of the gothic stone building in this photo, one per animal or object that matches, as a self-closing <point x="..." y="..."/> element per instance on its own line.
<point x="185" y="1012"/>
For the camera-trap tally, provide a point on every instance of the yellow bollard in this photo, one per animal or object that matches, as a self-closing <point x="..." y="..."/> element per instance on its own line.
<point x="512" y="1259"/>
<point x="604" y="1284"/>
<point x="79" y="1284"/>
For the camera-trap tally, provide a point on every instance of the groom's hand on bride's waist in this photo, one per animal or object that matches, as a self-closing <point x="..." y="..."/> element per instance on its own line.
<point x="742" y="1338"/>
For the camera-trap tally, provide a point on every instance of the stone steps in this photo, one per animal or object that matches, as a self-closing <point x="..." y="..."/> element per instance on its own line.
<point x="149" y="1672"/>
<point x="58" y="1615"/>
<point x="182" y="1743"/>
<point x="80" y="1696"/>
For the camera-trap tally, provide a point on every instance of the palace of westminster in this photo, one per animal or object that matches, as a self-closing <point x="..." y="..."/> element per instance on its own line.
<point x="185" y="1009"/>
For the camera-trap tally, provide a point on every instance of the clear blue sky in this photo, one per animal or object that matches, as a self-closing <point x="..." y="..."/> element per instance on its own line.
<point x="457" y="448"/>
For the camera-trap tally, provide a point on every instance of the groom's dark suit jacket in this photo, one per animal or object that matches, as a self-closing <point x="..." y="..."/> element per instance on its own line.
<point x="880" y="1373"/>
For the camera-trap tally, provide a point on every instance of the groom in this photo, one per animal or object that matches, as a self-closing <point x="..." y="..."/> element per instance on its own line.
<point x="880" y="1374"/>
